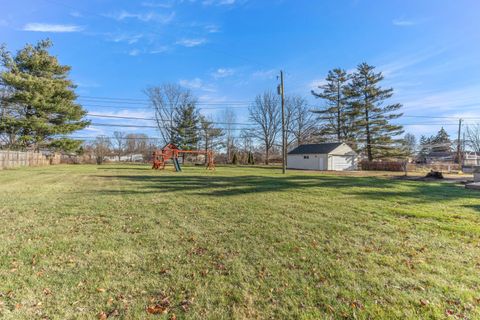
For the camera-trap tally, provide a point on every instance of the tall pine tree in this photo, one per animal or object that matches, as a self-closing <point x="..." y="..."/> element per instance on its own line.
<point x="337" y="114"/>
<point x="376" y="133"/>
<point x="441" y="142"/>
<point x="43" y="98"/>
<point x="186" y="129"/>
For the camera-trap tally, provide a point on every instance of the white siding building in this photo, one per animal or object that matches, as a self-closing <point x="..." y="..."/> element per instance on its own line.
<point x="336" y="156"/>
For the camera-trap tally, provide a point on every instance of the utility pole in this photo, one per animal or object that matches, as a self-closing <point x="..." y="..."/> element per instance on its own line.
<point x="459" y="144"/>
<point x="281" y="92"/>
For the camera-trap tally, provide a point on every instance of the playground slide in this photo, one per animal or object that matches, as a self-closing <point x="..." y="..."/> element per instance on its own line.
<point x="177" y="165"/>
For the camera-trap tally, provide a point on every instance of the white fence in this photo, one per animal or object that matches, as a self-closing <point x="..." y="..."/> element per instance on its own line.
<point x="12" y="159"/>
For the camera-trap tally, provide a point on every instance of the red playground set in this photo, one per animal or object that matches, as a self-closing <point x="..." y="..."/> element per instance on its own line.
<point x="171" y="151"/>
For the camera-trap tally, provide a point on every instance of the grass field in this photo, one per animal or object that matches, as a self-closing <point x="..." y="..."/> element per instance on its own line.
<point x="124" y="242"/>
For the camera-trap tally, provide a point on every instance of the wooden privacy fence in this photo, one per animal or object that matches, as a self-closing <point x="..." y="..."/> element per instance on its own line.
<point x="411" y="167"/>
<point x="12" y="159"/>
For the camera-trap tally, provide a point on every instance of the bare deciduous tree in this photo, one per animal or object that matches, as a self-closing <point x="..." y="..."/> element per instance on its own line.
<point x="210" y="136"/>
<point x="167" y="99"/>
<point x="101" y="148"/>
<point x="300" y="121"/>
<point x="473" y="137"/>
<point x="229" y="118"/>
<point x="265" y="113"/>
<point x="409" y="144"/>
<point x="119" y="143"/>
<point x="246" y="138"/>
<point x="136" y="143"/>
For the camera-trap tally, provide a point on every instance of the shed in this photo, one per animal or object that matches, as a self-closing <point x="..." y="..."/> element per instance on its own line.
<point x="336" y="156"/>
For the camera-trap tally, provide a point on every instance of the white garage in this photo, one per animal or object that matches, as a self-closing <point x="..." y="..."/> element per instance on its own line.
<point x="336" y="156"/>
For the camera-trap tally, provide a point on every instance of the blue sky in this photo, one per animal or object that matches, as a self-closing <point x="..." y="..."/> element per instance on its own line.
<point x="227" y="51"/>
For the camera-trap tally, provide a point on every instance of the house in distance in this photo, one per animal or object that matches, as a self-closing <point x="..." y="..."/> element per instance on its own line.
<point x="336" y="156"/>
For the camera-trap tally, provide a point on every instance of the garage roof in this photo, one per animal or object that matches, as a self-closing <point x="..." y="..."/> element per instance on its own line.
<point x="316" y="148"/>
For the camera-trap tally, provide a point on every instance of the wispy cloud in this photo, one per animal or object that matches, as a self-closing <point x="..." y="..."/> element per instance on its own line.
<point x="191" y="42"/>
<point x="197" y="84"/>
<point x="212" y="28"/>
<point x="314" y="84"/>
<point x="144" y="17"/>
<point x="466" y="99"/>
<point x="400" y="64"/>
<point x="160" y="49"/>
<point x="76" y="14"/>
<point x="126" y="37"/>
<point x="134" y="52"/>
<point x="156" y="4"/>
<point x="46" y="27"/>
<point x="265" y="74"/>
<point x="223" y="73"/>
<point x="400" y="22"/>
<point x="219" y="2"/>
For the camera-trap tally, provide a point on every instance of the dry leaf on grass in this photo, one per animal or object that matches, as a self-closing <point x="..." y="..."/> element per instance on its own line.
<point x="157" y="309"/>
<point x="424" y="302"/>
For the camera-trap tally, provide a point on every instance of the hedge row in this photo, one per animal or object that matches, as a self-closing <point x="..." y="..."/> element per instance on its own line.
<point x="382" y="166"/>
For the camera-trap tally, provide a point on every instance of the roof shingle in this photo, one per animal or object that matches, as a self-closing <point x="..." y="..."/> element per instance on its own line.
<point x="317" y="148"/>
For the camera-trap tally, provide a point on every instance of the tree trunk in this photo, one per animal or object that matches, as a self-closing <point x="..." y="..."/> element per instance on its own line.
<point x="369" y="140"/>
<point x="267" y="152"/>
<point x="206" y="149"/>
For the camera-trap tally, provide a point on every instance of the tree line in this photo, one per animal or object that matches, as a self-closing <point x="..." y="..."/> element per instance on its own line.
<point x="38" y="109"/>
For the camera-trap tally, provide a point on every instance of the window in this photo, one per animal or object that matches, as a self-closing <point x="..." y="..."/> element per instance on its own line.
<point x="306" y="157"/>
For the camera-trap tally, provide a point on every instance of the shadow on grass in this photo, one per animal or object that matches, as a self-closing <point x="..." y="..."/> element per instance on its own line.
<point x="123" y="168"/>
<point x="474" y="207"/>
<point x="365" y="187"/>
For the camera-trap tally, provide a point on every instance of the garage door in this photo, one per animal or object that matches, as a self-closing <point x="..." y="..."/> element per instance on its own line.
<point x="341" y="163"/>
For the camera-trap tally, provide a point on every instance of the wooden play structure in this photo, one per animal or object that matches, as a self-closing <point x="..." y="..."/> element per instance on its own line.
<point x="171" y="151"/>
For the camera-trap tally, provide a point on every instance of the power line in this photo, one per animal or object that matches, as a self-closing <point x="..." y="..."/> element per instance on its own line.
<point x="113" y="137"/>
<point x="225" y="106"/>
<point x="150" y="127"/>
<point x="153" y="119"/>
<point x="251" y="124"/>
<point x="244" y="123"/>
<point x="123" y="125"/>
<point x="147" y="101"/>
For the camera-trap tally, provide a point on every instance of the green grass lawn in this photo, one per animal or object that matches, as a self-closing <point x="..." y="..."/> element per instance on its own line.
<point x="123" y="242"/>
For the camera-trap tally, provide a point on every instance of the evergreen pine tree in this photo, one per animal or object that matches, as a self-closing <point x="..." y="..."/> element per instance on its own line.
<point x="337" y="115"/>
<point x="441" y="142"/>
<point x="43" y="99"/>
<point x="376" y="133"/>
<point x="234" y="158"/>
<point x="425" y="148"/>
<point x="186" y="129"/>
